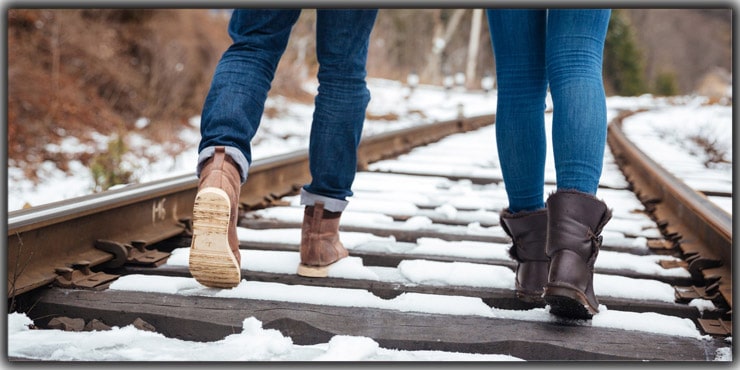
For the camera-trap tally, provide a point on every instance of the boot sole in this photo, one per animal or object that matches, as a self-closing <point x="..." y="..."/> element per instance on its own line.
<point x="568" y="303"/>
<point x="533" y="299"/>
<point x="211" y="261"/>
<point x="313" y="271"/>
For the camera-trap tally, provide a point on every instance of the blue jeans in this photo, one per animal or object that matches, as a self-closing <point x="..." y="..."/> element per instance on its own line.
<point x="561" y="48"/>
<point x="236" y="100"/>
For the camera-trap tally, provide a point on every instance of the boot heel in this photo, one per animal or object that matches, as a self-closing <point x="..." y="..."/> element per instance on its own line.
<point x="313" y="271"/>
<point x="211" y="261"/>
<point x="565" y="290"/>
<point x="568" y="302"/>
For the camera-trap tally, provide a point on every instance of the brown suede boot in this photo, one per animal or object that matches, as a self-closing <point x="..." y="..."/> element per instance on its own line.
<point x="575" y="221"/>
<point x="320" y="244"/>
<point x="528" y="232"/>
<point x="214" y="253"/>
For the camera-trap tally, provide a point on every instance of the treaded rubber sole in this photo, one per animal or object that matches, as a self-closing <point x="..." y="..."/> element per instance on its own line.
<point x="568" y="303"/>
<point x="211" y="261"/>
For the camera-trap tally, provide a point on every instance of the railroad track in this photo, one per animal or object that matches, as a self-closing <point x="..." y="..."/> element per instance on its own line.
<point x="92" y="258"/>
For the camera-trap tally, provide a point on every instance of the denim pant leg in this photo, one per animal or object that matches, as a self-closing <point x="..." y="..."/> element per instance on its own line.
<point x="575" y="45"/>
<point x="342" y="38"/>
<point x="236" y="99"/>
<point x="518" y="38"/>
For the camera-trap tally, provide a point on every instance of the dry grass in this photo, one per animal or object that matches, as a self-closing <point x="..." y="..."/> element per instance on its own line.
<point x="72" y="72"/>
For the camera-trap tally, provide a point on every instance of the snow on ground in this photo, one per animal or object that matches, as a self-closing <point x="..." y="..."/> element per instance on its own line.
<point x="671" y="136"/>
<point x="254" y="343"/>
<point x="257" y="344"/>
<point x="674" y="121"/>
<point x="388" y="97"/>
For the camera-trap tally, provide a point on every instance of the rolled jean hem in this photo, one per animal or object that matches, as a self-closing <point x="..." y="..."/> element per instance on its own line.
<point x="330" y="204"/>
<point x="236" y="155"/>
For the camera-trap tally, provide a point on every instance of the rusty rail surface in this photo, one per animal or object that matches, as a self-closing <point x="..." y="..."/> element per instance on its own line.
<point x="111" y="228"/>
<point x="695" y="227"/>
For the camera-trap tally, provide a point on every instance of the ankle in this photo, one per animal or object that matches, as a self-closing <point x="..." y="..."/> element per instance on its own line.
<point x="327" y="215"/>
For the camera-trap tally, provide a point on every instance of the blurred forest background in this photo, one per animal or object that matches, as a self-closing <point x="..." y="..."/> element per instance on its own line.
<point x="76" y="71"/>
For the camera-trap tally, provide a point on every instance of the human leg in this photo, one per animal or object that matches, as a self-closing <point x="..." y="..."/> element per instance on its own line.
<point x="575" y="44"/>
<point x="235" y="102"/>
<point x="518" y="38"/>
<point x="230" y="118"/>
<point x="575" y="216"/>
<point x="342" y="38"/>
<point x="518" y="43"/>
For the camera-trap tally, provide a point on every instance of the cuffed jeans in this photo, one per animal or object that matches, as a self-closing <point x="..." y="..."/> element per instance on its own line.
<point x="236" y="100"/>
<point x="561" y="48"/>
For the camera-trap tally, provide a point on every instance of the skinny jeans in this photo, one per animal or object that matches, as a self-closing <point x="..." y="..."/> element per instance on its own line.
<point x="561" y="49"/>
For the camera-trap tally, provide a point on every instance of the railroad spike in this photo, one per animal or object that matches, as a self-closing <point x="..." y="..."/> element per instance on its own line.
<point x="64" y="272"/>
<point x="139" y="255"/>
<point x="81" y="278"/>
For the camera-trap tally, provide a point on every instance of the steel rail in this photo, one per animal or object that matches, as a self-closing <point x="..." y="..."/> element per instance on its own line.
<point x="44" y="239"/>
<point x="701" y="230"/>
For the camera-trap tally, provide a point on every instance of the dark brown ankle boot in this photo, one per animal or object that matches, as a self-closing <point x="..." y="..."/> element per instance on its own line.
<point x="214" y="251"/>
<point x="528" y="232"/>
<point x="575" y="221"/>
<point x="320" y="245"/>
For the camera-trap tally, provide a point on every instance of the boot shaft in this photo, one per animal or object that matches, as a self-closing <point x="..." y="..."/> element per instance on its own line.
<point x="528" y="232"/>
<point x="220" y="171"/>
<point x="320" y="244"/>
<point x="575" y="221"/>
